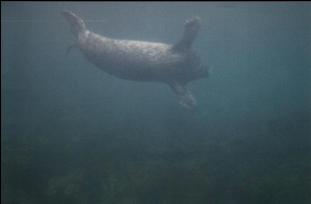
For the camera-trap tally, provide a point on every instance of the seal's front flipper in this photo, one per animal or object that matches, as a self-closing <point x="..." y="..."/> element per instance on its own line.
<point x="185" y="97"/>
<point x="191" y="30"/>
<point x="71" y="47"/>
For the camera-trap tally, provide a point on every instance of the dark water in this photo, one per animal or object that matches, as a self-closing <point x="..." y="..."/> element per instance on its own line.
<point x="73" y="134"/>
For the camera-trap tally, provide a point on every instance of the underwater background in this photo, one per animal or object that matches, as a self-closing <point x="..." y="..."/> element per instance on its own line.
<point x="73" y="134"/>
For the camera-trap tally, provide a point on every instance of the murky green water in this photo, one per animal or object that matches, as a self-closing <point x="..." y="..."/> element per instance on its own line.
<point x="74" y="134"/>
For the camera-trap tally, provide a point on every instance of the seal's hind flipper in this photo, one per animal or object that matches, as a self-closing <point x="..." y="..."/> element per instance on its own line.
<point x="77" y="24"/>
<point x="191" y="30"/>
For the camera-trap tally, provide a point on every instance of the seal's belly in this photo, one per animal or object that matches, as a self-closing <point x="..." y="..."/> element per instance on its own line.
<point x="135" y="60"/>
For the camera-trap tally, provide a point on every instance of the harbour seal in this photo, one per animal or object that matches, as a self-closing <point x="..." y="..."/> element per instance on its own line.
<point x="175" y="64"/>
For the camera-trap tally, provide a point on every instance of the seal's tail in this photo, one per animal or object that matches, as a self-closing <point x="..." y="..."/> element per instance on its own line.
<point x="77" y="24"/>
